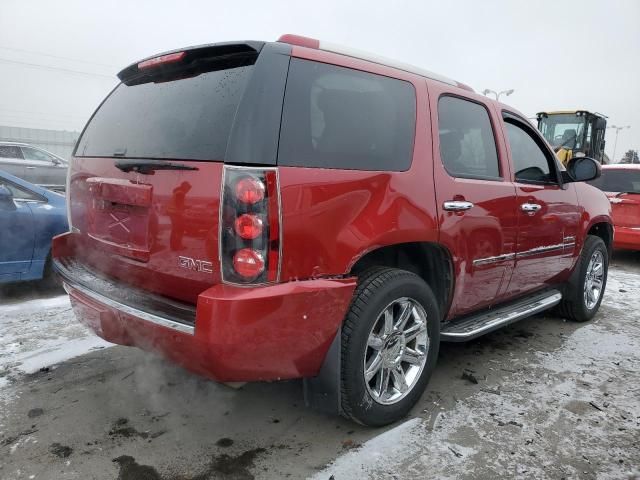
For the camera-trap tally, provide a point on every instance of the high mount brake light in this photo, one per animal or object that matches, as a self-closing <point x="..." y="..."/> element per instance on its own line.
<point x="161" y="60"/>
<point x="250" y="226"/>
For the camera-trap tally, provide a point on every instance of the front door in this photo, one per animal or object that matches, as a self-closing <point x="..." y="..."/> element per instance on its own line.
<point x="17" y="232"/>
<point x="476" y="200"/>
<point x="548" y="216"/>
<point x="41" y="168"/>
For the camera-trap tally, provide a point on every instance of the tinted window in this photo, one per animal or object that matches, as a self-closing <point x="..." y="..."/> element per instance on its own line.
<point x="10" y="151"/>
<point x="33" y="154"/>
<point x="335" y="117"/>
<point x="529" y="160"/>
<point x="467" y="144"/>
<point x="184" y="118"/>
<point x="622" y="180"/>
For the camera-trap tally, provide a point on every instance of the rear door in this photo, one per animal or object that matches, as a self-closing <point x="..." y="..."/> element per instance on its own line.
<point x="42" y="168"/>
<point x="12" y="161"/>
<point x="548" y="215"/>
<point x="476" y="200"/>
<point x="17" y="234"/>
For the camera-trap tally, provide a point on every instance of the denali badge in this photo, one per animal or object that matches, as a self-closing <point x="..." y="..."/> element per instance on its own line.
<point x="193" y="264"/>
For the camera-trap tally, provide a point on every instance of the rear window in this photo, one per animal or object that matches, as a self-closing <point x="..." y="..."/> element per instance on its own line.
<point x="622" y="180"/>
<point x="181" y="118"/>
<point x="335" y="117"/>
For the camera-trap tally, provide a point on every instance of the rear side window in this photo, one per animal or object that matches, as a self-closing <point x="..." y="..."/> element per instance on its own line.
<point x="181" y="118"/>
<point x="467" y="144"/>
<point x="10" y="151"/>
<point x="335" y="117"/>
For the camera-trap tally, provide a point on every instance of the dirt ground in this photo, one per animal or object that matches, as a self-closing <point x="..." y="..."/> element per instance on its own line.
<point x="543" y="398"/>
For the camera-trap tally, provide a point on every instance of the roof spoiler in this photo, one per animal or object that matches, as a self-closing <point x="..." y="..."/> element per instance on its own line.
<point x="193" y="58"/>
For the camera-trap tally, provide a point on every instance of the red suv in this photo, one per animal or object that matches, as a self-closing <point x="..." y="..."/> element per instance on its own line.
<point x="266" y="211"/>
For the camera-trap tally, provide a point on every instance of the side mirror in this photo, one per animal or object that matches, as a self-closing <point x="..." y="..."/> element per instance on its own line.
<point x="583" y="169"/>
<point x="6" y="199"/>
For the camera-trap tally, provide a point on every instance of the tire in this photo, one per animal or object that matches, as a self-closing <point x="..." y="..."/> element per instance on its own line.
<point x="367" y="339"/>
<point x="575" y="304"/>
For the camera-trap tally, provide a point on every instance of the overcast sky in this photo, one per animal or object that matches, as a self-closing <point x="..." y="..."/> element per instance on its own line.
<point x="58" y="59"/>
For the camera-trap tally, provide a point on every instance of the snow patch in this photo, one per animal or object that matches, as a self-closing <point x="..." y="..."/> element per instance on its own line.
<point x="40" y="333"/>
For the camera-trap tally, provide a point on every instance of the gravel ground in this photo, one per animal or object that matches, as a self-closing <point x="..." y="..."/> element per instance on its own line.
<point x="553" y="399"/>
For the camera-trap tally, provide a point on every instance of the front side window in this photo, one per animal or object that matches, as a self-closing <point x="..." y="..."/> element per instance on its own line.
<point x="33" y="154"/>
<point x="467" y="144"/>
<point x="10" y="151"/>
<point x="530" y="162"/>
<point x="335" y="117"/>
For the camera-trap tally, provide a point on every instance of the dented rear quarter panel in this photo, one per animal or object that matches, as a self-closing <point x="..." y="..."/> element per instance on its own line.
<point x="333" y="217"/>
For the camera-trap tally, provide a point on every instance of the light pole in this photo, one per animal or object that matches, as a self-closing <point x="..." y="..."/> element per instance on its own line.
<point x="615" y="143"/>
<point x="497" y="94"/>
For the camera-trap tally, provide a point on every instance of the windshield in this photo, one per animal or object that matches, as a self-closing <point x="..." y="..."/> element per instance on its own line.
<point x="563" y="130"/>
<point x="621" y="180"/>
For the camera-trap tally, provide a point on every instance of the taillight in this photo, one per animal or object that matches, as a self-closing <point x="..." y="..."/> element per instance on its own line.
<point x="249" y="190"/>
<point x="250" y="225"/>
<point x="248" y="263"/>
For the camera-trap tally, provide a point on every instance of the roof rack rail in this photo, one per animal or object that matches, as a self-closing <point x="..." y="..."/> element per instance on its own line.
<point x="307" y="42"/>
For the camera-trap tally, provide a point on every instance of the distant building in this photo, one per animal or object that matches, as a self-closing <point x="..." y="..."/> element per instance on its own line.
<point x="60" y="142"/>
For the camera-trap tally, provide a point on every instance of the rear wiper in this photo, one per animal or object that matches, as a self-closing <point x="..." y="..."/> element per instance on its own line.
<point x="619" y="194"/>
<point x="148" y="166"/>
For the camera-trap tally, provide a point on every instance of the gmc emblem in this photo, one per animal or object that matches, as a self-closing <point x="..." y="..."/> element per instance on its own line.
<point x="193" y="264"/>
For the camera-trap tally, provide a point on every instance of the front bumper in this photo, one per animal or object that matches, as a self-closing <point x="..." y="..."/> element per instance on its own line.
<point x="626" y="238"/>
<point x="238" y="334"/>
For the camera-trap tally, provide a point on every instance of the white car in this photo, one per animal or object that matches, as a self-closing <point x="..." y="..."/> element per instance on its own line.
<point x="34" y="165"/>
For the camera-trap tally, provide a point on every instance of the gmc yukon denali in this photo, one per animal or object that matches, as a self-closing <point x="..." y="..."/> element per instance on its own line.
<point x="258" y="211"/>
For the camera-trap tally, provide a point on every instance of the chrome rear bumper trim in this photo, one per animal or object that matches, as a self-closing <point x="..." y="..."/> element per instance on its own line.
<point x="146" y="316"/>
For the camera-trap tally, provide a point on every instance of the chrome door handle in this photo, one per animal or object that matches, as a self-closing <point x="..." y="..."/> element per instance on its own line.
<point x="457" y="205"/>
<point x="30" y="168"/>
<point x="530" y="207"/>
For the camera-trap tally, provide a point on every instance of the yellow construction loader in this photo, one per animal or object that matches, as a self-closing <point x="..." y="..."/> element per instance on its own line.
<point x="574" y="133"/>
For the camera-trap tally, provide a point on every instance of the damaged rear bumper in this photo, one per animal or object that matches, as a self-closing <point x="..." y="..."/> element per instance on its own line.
<point x="235" y="334"/>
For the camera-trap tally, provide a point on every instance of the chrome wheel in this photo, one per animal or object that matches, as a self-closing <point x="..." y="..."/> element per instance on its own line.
<point x="396" y="351"/>
<point x="594" y="281"/>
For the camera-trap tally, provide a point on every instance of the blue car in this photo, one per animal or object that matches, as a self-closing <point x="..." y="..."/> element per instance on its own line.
<point x="30" y="216"/>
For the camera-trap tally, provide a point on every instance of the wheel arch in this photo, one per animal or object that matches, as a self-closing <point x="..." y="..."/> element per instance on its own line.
<point x="604" y="230"/>
<point x="429" y="260"/>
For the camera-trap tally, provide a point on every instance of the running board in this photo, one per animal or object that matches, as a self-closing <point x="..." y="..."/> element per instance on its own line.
<point x="470" y="327"/>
